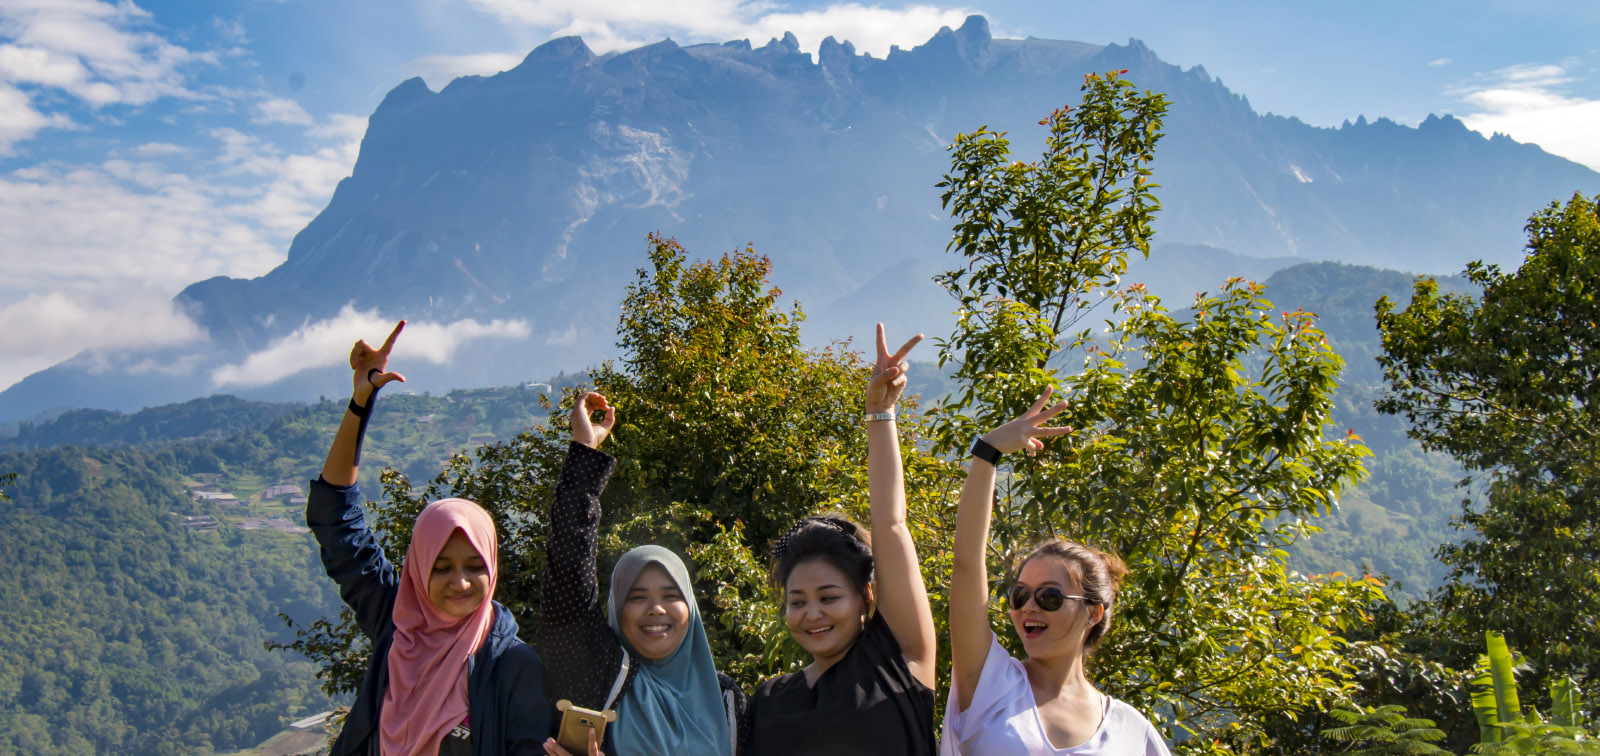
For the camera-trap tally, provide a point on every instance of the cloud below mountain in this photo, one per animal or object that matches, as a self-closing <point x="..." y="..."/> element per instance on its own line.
<point x="42" y="329"/>
<point x="327" y="342"/>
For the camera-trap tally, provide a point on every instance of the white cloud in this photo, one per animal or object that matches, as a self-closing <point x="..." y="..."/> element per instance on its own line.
<point x="74" y="225"/>
<point x="346" y="128"/>
<point x="327" y="342"/>
<point x="291" y="188"/>
<point x="1436" y="62"/>
<point x="231" y="30"/>
<point x="281" y="110"/>
<point x="870" y="28"/>
<point x="620" y="24"/>
<point x="138" y="219"/>
<point x="1530" y="103"/>
<point x="19" y="120"/>
<point x="95" y="51"/>
<point x="161" y="149"/>
<point x="439" y="70"/>
<point x="84" y="233"/>
<point x="43" y="329"/>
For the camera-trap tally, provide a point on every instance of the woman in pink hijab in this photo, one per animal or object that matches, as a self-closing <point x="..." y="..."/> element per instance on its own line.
<point x="447" y="675"/>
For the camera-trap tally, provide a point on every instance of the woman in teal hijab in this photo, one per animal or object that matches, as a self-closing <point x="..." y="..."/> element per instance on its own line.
<point x="675" y="704"/>
<point x="644" y="652"/>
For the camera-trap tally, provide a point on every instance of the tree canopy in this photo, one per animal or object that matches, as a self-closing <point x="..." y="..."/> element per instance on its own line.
<point x="1507" y="382"/>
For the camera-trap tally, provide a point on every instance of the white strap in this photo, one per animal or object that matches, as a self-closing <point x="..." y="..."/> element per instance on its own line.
<point x="622" y="676"/>
<point x="733" y="721"/>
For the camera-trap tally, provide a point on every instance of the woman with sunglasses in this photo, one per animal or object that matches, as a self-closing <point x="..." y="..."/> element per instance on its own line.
<point x="1060" y="607"/>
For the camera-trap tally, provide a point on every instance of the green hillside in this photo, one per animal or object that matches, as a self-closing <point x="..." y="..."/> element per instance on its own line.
<point x="130" y="629"/>
<point x="1393" y="521"/>
<point x="137" y="612"/>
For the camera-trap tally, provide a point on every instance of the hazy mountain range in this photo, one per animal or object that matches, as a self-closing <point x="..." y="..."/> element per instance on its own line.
<point x="520" y="202"/>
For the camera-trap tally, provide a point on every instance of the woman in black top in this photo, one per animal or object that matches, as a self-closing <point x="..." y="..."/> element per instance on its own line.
<point x="650" y="662"/>
<point x="869" y="687"/>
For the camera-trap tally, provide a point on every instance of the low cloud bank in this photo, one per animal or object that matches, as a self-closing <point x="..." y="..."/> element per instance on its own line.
<point x="327" y="342"/>
<point x="43" y="329"/>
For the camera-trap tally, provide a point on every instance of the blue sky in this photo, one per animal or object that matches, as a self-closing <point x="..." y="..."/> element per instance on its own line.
<point x="147" y="144"/>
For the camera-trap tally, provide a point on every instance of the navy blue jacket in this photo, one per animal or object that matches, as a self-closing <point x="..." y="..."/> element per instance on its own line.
<point x="508" y="709"/>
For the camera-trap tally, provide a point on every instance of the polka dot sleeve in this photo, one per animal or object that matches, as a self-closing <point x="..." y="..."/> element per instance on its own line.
<point x="582" y="655"/>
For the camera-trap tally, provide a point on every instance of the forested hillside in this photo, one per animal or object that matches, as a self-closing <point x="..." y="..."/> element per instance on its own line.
<point x="209" y="417"/>
<point x="1394" y="520"/>
<point x="128" y="632"/>
<point x="137" y="612"/>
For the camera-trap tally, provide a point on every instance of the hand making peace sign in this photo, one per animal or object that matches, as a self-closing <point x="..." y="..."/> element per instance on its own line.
<point x="888" y="374"/>
<point x="371" y="365"/>
<point x="1025" y="432"/>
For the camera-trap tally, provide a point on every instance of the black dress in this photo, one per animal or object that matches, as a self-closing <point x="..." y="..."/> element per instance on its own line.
<point x="585" y="656"/>
<point x="868" y="703"/>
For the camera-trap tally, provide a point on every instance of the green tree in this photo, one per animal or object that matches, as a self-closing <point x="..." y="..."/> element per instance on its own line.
<point x="1200" y="449"/>
<point x="728" y="430"/>
<point x="1507" y="382"/>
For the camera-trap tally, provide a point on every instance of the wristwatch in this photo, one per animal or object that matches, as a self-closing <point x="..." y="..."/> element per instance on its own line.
<point x="985" y="451"/>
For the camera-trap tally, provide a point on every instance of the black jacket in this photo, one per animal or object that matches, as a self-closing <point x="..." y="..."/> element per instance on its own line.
<point x="507" y="706"/>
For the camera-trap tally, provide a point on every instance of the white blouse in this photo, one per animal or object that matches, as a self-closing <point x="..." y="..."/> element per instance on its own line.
<point x="1003" y="720"/>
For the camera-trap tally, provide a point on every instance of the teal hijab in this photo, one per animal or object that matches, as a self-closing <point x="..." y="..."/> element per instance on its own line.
<point x="674" y="705"/>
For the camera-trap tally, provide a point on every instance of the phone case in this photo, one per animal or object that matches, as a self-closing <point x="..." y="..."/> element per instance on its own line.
<point x="576" y="722"/>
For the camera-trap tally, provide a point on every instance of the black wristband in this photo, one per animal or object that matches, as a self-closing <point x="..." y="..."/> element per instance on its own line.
<point x="985" y="451"/>
<point x="365" y="413"/>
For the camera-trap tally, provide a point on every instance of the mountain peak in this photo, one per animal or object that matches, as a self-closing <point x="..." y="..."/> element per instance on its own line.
<point x="560" y="49"/>
<point x="975" y="30"/>
<point x="406" y="92"/>
<point x="834" y="51"/>
<point x="1445" y="124"/>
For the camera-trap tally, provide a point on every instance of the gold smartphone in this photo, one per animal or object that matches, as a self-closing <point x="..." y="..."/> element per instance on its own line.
<point x="576" y="722"/>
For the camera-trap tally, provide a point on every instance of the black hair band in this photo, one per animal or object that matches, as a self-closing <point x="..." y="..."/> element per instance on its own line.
<point x="783" y="544"/>
<point x="365" y="413"/>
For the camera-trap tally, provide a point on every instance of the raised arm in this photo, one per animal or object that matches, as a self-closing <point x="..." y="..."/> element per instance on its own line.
<point x="350" y="552"/>
<point x="582" y="654"/>
<point x="970" y="632"/>
<point x="902" y="596"/>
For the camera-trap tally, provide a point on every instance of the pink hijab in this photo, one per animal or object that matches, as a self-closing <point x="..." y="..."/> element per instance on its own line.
<point x="427" y="695"/>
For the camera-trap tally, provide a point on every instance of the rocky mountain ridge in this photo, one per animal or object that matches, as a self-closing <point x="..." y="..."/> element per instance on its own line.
<point x="527" y="195"/>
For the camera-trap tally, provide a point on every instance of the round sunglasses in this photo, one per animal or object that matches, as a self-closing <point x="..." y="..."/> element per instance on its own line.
<point x="1049" y="598"/>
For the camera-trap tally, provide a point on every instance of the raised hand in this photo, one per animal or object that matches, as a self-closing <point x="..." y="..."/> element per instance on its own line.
<point x="1025" y="432"/>
<point x="584" y="430"/>
<point x="888" y="374"/>
<point x="364" y="360"/>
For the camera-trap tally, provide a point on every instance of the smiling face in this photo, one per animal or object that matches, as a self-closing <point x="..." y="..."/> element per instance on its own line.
<point x="654" y="616"/>
<point x="458" y="582"/>
<point x="1058" y="633"/>
<point x="823" y="609"/>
